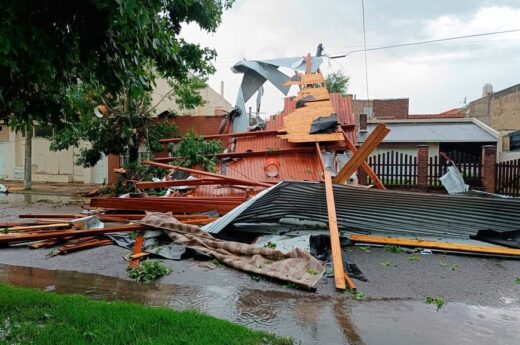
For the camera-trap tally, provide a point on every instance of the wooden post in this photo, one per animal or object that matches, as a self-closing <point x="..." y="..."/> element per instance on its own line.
<point x="138" y="247"/>
<point x="337" y="260"/>
<point x="358" y="159"/>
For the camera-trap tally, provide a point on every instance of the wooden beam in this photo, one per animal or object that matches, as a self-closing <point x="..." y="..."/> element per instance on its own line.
<point x="319" y="157"/>
<point x="235" y="180"/>
<point x="227" y="135"/>
<point x="138" y="248"/>
<point x="197" y="182"/>
<point x="364" y="164"/>
<point x="337" y="260"/>
<point x="457" y="247"/>
<point x="377" y="135"/>
<point x="66" y="233"/>
<point x="40" y="227"/>
<point x="167" y="205"/>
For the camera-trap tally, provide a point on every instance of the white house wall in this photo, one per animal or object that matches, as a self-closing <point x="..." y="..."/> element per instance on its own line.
<point x="47" y="165"/>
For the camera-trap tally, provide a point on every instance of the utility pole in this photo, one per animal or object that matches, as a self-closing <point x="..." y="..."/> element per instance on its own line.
<point x="27" y="178"/>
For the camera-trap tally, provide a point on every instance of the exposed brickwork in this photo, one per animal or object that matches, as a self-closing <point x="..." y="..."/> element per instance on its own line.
<point x="489" y="160"/>
<point x="391" y="108"/>
<point x="422" y="166"/>
<point x="362" y="176"/>
<point x="363" y="119"/>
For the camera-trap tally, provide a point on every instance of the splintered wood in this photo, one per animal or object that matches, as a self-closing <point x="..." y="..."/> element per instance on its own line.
<point x="298" y="123"/>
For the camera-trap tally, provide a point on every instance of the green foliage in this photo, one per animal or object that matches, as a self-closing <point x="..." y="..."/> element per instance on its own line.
<point x="386" y="263"/>
<point x="517" y="280"/>
<point x="312" y="271"/>
<point x="33" y="317"/>
<point x="160" y="130"/>
<point x="414" y="257"/>
<point x="270" y="245"/>
<point x="134" y="172"/>
<point x="193" y="149"/>
<point x="356" y="294"/>
<point x="394" y="249"/>
<point x="148" y="270"/>
<point x="129" y="124"/>
<point x="366" y="249"/>
<point x="45" y="46"/>
<point x="439" y="302"/>
<point x="337" y="82"/>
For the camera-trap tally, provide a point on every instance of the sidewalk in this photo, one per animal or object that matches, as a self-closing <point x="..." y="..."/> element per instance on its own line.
<point x="50" y="188"/>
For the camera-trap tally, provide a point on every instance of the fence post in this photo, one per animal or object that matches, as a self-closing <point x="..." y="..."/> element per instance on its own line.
<point x="362" y="176"/>
<point x="489" y="168"/>
<point x="422" y="166"/>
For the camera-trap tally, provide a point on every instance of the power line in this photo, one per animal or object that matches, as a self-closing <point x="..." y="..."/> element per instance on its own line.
<point x="421" y="42"/>
<point x="365" y="49"/>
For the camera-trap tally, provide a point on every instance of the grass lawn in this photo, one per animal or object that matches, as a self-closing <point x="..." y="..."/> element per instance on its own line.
<point x="29" y="316"/>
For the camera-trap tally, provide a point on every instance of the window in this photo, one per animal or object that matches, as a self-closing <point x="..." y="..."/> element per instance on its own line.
<point x="43" y="131"/>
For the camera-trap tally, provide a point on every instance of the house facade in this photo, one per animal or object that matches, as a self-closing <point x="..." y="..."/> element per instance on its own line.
<point x="50" y="166"/>
<point x="501" y="111"/>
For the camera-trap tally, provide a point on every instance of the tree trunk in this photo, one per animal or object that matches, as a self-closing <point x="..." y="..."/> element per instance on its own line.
<point x="27" y="175"/>
<point x="133" y="154"/>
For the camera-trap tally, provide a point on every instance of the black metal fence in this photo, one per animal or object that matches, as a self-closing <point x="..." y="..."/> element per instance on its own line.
<point x="400" y="169"/>
<point x="394" y="168"/>
<point x="508" y="178"/>
<point x="470" y="167"/>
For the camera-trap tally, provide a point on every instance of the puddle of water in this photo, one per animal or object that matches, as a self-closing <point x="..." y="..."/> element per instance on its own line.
<point x="28" y="198"/>
<point x="313" y="319"/>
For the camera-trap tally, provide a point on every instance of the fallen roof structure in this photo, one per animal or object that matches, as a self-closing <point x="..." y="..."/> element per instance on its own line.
<point x="369" y="211"/>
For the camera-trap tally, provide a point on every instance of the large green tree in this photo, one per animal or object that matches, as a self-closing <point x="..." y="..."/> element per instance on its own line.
<point x="121" y="46"/>
<point x="337" y="82"/>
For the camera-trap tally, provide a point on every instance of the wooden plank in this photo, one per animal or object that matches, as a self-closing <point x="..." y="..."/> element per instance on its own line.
<point x="174" y="206"/>
<point x="59" y="215"/>
<point x="139" y="256"/>
<point x="373" y="176"/>
<point x="83" y="245"/>
<point x="377" y="135"/>
<point x="19" y="237"/>
<point x="306" y="79"/>
<point x="337" y="260"/>
<point x="458" y="247"/>
<point x="138" y="248"/>
<point x="319" y="157"/>
<point x="40" y="227"/>
<point x="204" y="173"/>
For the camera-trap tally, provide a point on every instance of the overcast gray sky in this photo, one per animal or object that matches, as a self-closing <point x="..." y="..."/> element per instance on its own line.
<point x="436" y="77"/>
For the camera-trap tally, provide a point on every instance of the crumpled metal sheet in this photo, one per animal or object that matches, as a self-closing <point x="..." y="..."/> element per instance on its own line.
<point x="380" y="212"/>
<point x="256" y="73"/>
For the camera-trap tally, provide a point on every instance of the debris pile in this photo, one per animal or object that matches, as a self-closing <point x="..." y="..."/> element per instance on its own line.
<point x="290" y="184"/>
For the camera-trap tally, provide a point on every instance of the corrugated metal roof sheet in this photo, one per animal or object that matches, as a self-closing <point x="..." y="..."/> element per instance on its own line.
<point x="384" y="212"/>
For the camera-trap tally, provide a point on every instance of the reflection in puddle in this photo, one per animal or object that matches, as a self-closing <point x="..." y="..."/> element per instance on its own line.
<point x="28" y="198"/>
<point x="313" y="319"/>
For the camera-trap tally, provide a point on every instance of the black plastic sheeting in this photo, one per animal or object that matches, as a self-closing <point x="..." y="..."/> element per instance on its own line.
<point x="324" y="124"/>
<point x="387" y="212"/>
<point x="507" y="238"/>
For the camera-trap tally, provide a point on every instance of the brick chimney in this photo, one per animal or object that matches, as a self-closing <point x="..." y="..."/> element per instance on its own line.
<point x="363" y="121"/>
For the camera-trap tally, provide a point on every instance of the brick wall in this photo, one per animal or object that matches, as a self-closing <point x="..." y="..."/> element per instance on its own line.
<point x="391" y="108"/>
<point x="500" y="110"/>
